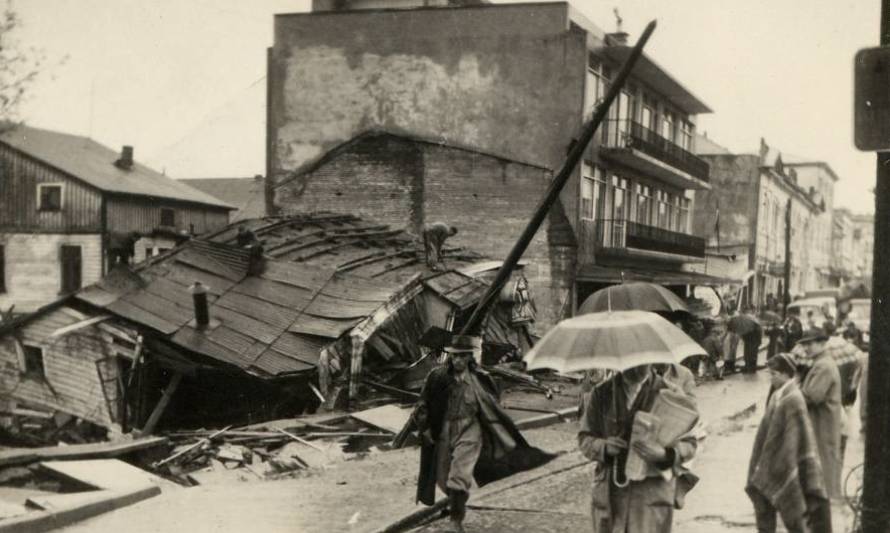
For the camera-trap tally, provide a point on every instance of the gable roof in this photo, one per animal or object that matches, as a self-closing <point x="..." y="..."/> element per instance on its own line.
<point x="93" y="163"/>
<point x="245" y="194"/>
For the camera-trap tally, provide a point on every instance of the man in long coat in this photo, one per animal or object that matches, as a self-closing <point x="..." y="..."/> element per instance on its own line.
<point x="785" y="475"/>
<point x="620" y="505"/>
<point x="466" y="435"/>
<point x="821" y="389"/>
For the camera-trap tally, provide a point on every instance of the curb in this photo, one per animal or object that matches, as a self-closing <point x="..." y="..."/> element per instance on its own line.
<point x="41" y="521"/>
<point x="418" y="517"/>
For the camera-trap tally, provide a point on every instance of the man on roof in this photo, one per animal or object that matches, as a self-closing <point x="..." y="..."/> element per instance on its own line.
<point x="434" y="236"/>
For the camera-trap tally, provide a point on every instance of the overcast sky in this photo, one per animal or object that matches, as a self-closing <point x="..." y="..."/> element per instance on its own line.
<point x="184" y="80"/>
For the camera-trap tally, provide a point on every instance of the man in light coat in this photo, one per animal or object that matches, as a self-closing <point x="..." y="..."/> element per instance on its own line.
<point x="821" y="388"/>
<point x="621" y="505"/>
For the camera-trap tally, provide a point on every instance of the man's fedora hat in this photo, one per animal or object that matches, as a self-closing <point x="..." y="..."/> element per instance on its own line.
<point x="813" y="335"/>
<point x="464" y="343"/>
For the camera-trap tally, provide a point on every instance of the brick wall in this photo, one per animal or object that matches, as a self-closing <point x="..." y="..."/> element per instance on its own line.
<point x="34" y="271"/>
<point x="378" y="177"/>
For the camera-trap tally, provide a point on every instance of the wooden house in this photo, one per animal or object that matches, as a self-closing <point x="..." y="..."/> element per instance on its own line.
<point x="69" y="208"/>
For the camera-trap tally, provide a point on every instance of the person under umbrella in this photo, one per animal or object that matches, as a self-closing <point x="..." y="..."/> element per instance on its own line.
<point x="619" y="504"/>
<point x="784" y="474"/>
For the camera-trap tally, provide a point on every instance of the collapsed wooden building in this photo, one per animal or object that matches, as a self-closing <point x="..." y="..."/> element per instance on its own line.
<point x="333" y="307"/>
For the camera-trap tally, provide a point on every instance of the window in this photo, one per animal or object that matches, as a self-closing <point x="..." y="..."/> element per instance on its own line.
<point x="592" y="189"/>
<point x="686" y="135"/>
<point x="149" y="251"/>
<point x="644" y="204"/>
<point x="647" y="114"/>
<point x="34" y="362"/>
<point x="597" y="78"/>
<point x="71" y="268"/>
<point x="49" y="197"/>
<point x="667" y="126"/>
<point x="684" y="215"/>
<point x="619" y="198"/>
<point x="168" y="217"/>
<point x="2" y="269"/>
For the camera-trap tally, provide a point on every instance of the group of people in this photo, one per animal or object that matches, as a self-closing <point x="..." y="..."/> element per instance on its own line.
<point x="794" y="469"/>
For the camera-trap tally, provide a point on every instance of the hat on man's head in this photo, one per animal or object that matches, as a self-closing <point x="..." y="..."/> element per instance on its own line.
<point x="783" y="362"/>
<point x="813" y="335"/>
<point x="464" y="344"/>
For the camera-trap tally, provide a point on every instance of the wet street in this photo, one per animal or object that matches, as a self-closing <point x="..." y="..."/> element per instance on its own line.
<point x="369" y="494"/>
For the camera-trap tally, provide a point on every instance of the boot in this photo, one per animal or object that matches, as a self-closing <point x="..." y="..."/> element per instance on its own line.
<point x="458" y="508"/>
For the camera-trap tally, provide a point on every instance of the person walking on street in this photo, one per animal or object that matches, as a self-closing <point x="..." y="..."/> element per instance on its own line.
<point x="434" y="236"/>
<point x="621" y="505"/>
<point x="461" y="423"/>
<point x="821" y="388"/>
<point x="784" y="474"/>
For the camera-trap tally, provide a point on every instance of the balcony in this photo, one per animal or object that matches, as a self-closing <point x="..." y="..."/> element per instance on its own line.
<point x="638" y="147"/>
<point x="623" y="238"/>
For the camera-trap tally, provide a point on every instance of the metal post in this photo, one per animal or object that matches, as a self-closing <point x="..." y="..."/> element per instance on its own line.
<point x="474" y="324"/>
<point x="876" y="485"/>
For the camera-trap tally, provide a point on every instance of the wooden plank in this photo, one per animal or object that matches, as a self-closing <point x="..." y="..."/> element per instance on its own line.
<point x="102" y="473"/>
<point x="143" y="317"/>
<point x="16" y="456"/>
<point x="301" y="299"/>
<point x="159" y="409"/>
<point x="306" y="348"/>
<point x="233" y="340"/>
<point x="274" y="362"/>
<point x="80" y="325"/>
<point x="386" y="417"/>
<point x="205" y="262"/>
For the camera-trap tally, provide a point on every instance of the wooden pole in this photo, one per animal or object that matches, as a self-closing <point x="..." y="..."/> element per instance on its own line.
<point x="474" y="324"/>
<point x="162" y="404"/>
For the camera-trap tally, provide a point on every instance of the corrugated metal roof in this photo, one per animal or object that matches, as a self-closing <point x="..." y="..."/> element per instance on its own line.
<point x="93" y="163"/>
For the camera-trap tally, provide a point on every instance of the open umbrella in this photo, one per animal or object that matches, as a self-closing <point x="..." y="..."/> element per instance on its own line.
<point x="617" y="341"/>
<point x="639" y="295"/>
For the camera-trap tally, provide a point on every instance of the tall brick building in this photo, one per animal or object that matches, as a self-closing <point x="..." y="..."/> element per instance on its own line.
<point x="515" y="82"/>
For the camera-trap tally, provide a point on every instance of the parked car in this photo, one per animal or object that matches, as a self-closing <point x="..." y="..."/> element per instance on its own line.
<point x="818" y="305"/>
<point x="860" y="314"/>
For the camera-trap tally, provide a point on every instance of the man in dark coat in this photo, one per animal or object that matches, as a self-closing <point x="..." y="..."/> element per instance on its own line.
<point x="465" y="432"/>
<point x="749" y="329"/>
<point x="793" y="328"/>
<point x="434" y="236"/>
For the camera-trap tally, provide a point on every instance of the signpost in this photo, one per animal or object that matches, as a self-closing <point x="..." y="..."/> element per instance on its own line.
<point x="872" y="133"/>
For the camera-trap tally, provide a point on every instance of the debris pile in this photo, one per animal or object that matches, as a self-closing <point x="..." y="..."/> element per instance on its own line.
<point x="277" y="449"/>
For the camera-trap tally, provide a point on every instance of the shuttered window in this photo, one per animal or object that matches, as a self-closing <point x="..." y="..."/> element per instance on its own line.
<point x="168" y="217"/>
<point x="49" y="197"/>
<point x="34" y="366"/>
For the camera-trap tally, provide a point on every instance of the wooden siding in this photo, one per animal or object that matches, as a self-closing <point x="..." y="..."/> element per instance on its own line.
<point x="144" y="215"/>
<point x="72" y="380"/>
<point x="34" y="269"/>
<point x="19" y="177"/>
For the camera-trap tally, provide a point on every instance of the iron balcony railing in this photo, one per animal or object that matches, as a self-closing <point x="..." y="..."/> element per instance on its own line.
<point x="624" y="133"/>
<point x="626" y="234"/>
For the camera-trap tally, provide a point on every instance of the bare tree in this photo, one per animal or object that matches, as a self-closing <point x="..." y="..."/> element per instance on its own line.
<point x="19" y="66"/>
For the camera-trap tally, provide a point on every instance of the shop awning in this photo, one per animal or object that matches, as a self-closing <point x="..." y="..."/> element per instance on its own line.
<point x="602" y="274"/>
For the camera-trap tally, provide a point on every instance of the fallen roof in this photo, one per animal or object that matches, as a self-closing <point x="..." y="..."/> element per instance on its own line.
<point x="345" y="243"/>
<point x="323" y="276"/>
<point x="93" y="163"/>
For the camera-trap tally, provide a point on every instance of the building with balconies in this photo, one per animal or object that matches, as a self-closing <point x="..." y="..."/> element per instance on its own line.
<point x="516" y="82"/>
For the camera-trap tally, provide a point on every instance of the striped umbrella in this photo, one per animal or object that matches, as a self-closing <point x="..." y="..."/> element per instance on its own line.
<point x="617" y="341"/>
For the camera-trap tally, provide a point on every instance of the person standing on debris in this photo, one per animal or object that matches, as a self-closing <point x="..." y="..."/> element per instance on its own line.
<point x="784" y="474"/>
<point x="621" y="505"/>
<point x="460" y="421"/>
<point x="821" y="389"/>
<point x="434" y="236"/>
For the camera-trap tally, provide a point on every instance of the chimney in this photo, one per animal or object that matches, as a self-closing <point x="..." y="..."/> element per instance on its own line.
<point x="199" y="298"/>
<point x="126" y="160"/>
